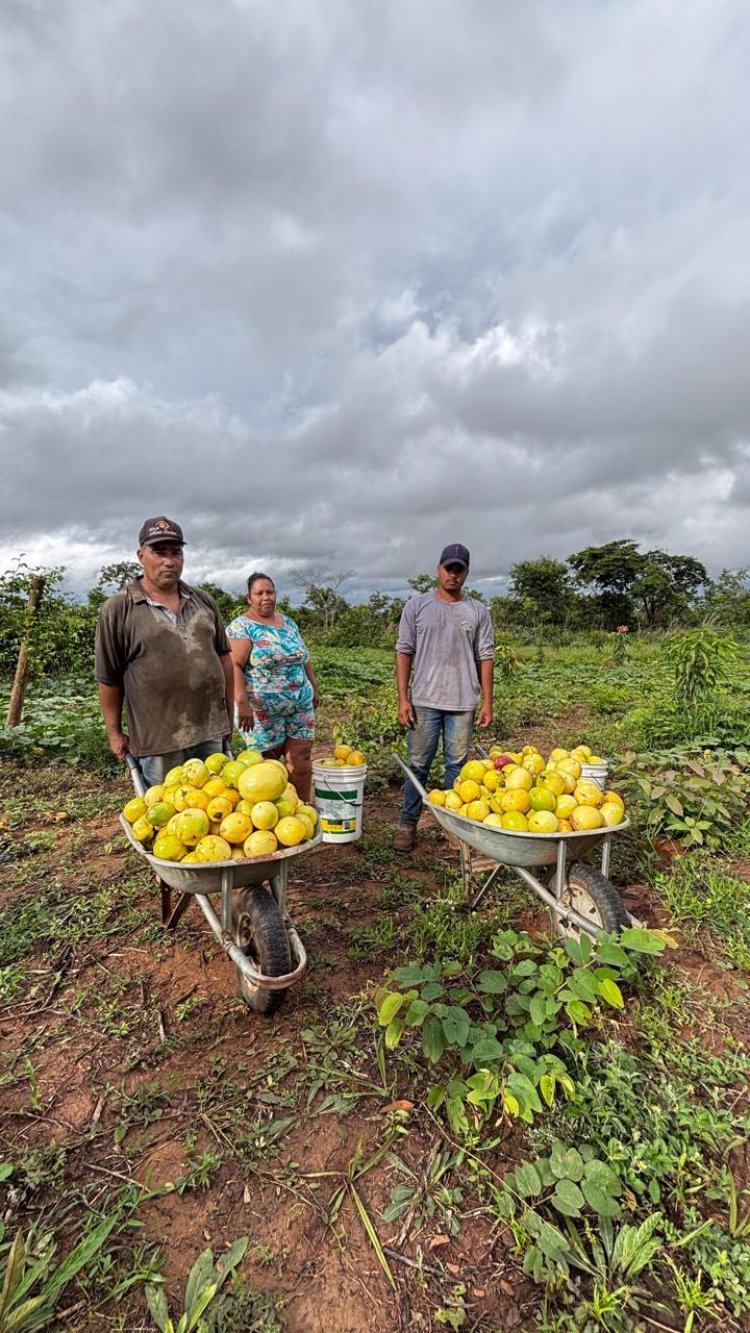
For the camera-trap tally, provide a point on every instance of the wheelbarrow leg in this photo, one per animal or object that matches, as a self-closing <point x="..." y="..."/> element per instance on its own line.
<point x="466" y="868"/>
<point x="169" y="915"/>
<point x="467" y="876"/>
<point x="490" y="880"/>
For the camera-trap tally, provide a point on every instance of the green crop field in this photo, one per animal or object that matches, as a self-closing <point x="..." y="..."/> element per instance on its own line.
<point x="457" y="1119"/>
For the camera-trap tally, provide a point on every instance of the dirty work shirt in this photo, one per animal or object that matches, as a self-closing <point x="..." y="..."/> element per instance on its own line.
<point x="445" y="641"/>
<point x="169" y="667"/>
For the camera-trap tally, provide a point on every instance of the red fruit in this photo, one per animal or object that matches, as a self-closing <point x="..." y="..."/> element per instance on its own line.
<point x="502" y="759"/>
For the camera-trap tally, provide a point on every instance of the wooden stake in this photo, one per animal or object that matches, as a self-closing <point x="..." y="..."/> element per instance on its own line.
<point x="15" y="707"/>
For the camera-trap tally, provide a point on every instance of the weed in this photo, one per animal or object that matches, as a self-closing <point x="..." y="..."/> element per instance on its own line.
<point x="200" y="1173"/>
<point x="509" y="1027"/>
<point x="426" y="1194"/>
<point x="711" y="904"/>
<point x="376" y="938"/>
<point x="205" y="1280"/>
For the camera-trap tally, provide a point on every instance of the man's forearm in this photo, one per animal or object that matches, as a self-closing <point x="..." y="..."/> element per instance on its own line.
<point x="486" y="679"/>
<point x="111" y="699"/>
<point x="227" y="667"/>
<point x="403" y="676"/>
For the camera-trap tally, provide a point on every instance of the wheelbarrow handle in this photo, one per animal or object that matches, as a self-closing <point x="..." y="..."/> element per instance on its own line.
<point x="136" y="775"/>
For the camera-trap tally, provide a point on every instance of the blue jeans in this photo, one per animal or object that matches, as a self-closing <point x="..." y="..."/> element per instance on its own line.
<point x="422" y="742"/>
<point x="155" y="767"/>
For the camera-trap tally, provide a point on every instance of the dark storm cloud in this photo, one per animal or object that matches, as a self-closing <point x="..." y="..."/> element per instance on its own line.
<point x="336" y="284"/>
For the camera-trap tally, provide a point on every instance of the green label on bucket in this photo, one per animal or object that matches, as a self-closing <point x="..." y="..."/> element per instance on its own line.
<point x="337" y="806"/>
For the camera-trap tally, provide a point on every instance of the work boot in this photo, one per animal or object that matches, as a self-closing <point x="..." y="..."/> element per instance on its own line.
<point x="405" y="838"/>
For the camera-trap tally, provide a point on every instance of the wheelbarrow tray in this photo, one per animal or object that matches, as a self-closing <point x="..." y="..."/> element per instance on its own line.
<point x="209" y="878"/>
<point x="509" y="848"/>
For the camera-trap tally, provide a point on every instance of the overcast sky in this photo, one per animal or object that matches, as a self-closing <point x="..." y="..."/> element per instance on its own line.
<point x="336" y="283"/>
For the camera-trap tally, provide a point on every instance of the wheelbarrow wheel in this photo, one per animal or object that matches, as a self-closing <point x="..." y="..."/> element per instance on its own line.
<point x="592" y="895"/>
<point x="259" y="930"/>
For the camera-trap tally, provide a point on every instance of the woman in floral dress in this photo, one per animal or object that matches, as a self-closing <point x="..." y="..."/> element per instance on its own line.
<point x="275" y="689"/>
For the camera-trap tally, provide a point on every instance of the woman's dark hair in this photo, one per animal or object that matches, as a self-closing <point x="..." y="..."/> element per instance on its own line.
<point x="254" y="579"/>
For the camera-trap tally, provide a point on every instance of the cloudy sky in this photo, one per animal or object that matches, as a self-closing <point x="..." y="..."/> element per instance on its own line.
<point x="335" y="283"/>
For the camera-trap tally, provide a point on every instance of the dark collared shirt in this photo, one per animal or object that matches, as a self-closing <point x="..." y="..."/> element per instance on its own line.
<point x="169" y="668"/>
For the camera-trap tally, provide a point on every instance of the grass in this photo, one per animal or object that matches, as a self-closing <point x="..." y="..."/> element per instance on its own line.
<point x="711" y="904"/>
<point x="230" y="1124"/>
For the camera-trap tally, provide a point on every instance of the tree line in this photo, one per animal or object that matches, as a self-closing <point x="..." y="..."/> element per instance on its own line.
<point x="603" y="588"/>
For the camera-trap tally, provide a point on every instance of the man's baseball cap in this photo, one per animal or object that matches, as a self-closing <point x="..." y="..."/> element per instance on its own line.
<point x="455" y="555"/>
<point x="160" y="530"/>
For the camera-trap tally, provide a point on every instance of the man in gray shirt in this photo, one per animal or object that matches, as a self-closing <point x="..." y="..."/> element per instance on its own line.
<point x="444" y="662"/>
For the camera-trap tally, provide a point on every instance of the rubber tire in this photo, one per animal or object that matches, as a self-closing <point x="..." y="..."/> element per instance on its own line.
<point x="607" y="911"/>
<point x="258" y="929"/>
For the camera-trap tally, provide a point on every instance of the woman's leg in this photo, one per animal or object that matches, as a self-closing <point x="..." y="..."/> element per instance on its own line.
<point x="299" y="761"/>
<point x="276" y="753"/>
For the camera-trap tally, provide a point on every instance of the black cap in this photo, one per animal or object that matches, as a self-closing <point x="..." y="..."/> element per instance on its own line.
<point x="160" y="530"/>
<point x="455" y="555"/>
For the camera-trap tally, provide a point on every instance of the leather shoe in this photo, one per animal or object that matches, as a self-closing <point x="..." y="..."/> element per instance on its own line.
<point x="405" y="838"/>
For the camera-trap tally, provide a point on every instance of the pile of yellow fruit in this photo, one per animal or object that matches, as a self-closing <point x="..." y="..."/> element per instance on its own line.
<point x="343" y="757"/>
<point x="525" y="793"/>
<point x="221" y="809"/>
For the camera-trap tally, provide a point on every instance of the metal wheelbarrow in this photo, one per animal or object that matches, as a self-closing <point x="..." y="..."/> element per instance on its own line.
<point x="253" y="925"/>
<point x="578" y="895"/>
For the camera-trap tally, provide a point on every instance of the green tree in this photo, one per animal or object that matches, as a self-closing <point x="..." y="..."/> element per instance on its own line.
<point x="322" y="593"/>
<point x="667" y="586"/>
<point x="543" y="589"/>
<point x="230" y="604"/>
<point x="61" y="639"/>
<point x="613" y="567"/>
<point x="660" y="585"/>
<point x="727" y="600"/>
<point x="423" y="583"/>
<point x="113" y="578"/>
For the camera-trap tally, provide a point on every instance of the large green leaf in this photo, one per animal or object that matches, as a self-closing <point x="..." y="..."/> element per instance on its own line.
<point x="433" y="1038"/>
<point x="456" y="1026"/>
<point x="492" y="983"/>
<point x="487" y="1048"/>
<point x="641" y="940"/>
<point x="601" y="1203"/>
<point x="567" y="1198"/>
<point x="566" y="1163"/>
<point x="610" y="991"/>
<point x="389" y="1008"/>
<point x="527" y="1180"/>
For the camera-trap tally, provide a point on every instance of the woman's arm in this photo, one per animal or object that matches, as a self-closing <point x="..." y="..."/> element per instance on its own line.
<point x="240" y="650"/>
<point x="311" y="677"/>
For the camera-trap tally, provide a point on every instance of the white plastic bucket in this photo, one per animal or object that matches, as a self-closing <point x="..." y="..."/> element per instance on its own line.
<point x="597" y="773"/>
<point x="339" y="797"/>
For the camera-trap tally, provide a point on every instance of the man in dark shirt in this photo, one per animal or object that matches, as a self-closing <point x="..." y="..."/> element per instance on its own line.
<point x="161" y="650"/>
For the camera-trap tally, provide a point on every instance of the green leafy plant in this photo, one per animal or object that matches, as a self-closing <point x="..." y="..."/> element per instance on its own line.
<point x="548" y="1207"/>
<point x="702" y="660"/>
<point x="427" y="1194"/>
<point x="504" y="1034"/>
<point x="32" y="1280"/>
<point x="205" y="1280"/>
<point x="696" y="797"/>
<point x="710" y="903"/>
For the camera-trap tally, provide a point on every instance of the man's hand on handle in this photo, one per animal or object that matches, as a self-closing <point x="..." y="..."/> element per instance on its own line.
<point x="118" y="744"/>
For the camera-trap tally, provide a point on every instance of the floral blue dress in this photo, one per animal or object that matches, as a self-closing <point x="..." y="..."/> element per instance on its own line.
<point x="278" y="687"/>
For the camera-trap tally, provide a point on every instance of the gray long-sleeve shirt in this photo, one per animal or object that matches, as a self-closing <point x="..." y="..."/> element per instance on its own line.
<point x="445" y="640"/>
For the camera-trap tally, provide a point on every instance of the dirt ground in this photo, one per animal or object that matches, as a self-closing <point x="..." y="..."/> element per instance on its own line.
<point x="146" y="1068"/>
